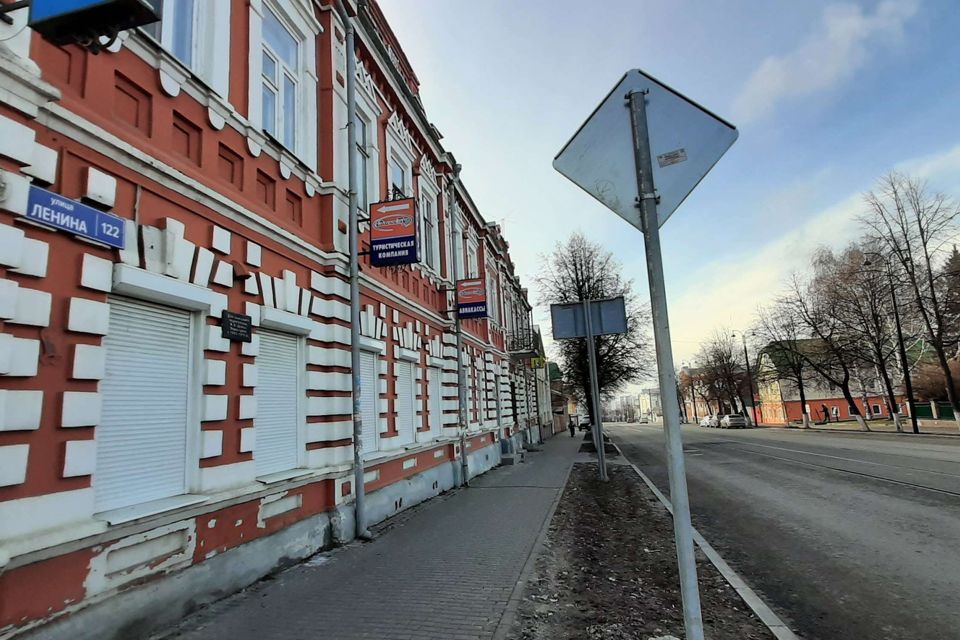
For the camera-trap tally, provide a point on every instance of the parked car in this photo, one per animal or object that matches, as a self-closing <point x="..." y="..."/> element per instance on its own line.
<point x="644" y="420"/>
<point x="710" y="421"/>
<point x="733" y="421"/>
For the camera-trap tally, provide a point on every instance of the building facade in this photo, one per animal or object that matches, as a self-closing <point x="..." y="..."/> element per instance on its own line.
<point x="149" y="462"/>
<point x="779" y="397"/>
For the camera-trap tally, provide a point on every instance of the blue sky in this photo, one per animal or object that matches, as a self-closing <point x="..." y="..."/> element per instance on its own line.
<point x="827" y="96"/>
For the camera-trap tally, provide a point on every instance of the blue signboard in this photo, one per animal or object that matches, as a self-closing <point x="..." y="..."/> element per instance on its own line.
<point x="64" y="21"/>
<point x="54" y="210"/>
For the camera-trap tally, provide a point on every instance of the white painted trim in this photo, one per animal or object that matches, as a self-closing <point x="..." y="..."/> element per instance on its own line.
<point x="143" y="510"/>
<point x="280" y="476"/>
<point x="408" y="355"/>
<point x="280" y="320"/>
<point x="142" y="284"/>
<point x="377" y="346"/>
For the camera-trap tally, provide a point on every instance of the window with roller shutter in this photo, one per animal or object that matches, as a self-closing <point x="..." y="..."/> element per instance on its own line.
<point x="434" y="402"/>
<point x="278" y="395"/>
<point x="369" y="395"/>
<point x="142" y="438"/>
<point x="405" y="402"/>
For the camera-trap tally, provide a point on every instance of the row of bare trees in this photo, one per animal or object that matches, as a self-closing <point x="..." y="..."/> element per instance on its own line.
<point x="578" y="269"/>
<point x="885" y="305"/>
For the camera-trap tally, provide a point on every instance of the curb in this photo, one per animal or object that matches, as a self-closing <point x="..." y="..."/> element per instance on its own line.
<point x="510" y="613"/>
<point x="770" y="619"/>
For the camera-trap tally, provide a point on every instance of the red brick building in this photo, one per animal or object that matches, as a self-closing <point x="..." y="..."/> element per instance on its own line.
<point x="147" y="463"/>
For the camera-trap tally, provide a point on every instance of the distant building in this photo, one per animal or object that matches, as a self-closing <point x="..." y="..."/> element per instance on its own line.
<point x="779" y="394"/>
<point x="649" y="401"/>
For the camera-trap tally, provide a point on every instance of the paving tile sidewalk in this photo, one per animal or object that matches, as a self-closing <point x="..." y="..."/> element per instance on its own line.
<point x="447" y="572"/>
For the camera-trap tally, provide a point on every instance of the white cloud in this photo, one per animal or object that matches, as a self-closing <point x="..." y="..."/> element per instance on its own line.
<point x="728" y="293"/>
<point x="843" y="44"/>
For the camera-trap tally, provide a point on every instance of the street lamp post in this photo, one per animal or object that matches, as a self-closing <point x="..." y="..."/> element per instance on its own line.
<point x="746" y="358"/>
<point x="907" y="382"/>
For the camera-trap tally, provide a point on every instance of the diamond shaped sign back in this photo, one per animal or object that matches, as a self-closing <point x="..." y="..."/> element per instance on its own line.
<point x="686" y="141"/>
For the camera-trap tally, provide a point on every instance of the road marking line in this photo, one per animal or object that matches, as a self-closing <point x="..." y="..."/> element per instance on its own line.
<point x="772" y="621"/>
<point x="855" y="473"/>
<point x="824" y="455"/>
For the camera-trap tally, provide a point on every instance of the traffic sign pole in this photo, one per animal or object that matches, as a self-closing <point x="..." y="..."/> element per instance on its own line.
<point x="595" y="394"/>
<point x="683" y="529"/>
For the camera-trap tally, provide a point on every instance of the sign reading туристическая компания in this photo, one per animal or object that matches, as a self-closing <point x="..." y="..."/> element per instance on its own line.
<point x="393" y="233"/>
<point x="54" y="210"/>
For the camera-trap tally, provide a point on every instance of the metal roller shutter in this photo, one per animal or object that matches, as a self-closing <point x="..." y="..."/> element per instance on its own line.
<point x="405" y="412"/>
<point x="368" y="400"/>
<point x="278" y="396"/>
<point x="142" y="435"/>
<point x="436" y="406"/>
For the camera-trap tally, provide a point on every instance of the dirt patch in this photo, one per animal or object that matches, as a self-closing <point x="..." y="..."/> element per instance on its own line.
<point x="609" y="571"/>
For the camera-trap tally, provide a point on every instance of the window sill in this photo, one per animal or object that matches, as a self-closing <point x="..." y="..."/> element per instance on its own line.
<point x="280" y="476"/>
<point x="145" y="509"/>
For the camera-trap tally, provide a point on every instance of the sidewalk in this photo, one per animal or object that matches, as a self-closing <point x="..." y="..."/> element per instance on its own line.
<point x="446" y="571"/>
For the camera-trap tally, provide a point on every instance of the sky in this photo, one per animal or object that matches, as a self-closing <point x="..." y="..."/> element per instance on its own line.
<point x="827" y="97"/>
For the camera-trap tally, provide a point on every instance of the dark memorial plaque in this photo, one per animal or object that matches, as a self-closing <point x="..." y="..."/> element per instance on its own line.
<point x="236" y="327"/>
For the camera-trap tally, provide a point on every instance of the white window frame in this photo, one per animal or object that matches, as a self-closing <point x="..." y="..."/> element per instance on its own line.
<point x="429" y="238"/>
<point x="473" y="264"/>
<point x="457" y="240"/>
<point x="405" y="188"/>
<point x="363" y="155"/>
<point x="493" y="299"/>
<point x="140" y="284"/>
<point x="297" y="17"/>
<point x="210" y="46"/>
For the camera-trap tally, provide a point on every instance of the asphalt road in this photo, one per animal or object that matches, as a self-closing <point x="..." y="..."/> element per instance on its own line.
<point x="845" y="536"/>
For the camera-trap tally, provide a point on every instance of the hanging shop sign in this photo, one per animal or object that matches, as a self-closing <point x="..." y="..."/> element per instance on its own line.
<point x="471" y="299"/>
<point x="54" y="210"/>
<point x="393" y="233"/>
<point x="67" y="21"/>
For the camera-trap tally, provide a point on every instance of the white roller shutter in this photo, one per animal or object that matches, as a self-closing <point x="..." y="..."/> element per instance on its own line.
<point x="142" y="435"/>
<point x="278" y="396"/>
<point x="436" y="406"/>
<point x="368" y="400"/>
<point x="405" y="412"/>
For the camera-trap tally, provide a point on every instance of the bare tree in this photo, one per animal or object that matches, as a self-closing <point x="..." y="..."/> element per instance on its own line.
<point x="831" y="354"/>
<point x="862" y="309"/>
<point x="781" y="333"/>
<point x="915" y="226"/>
<point x="723" y="371"/>
<point x="580" y="269"/>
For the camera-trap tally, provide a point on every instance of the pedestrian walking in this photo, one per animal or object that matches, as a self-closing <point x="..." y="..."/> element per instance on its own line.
<point x="573" y="428"/>
<point x="826" y="414"/>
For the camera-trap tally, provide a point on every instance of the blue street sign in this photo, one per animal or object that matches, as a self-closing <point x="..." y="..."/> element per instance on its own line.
<point x="54" y="210"/>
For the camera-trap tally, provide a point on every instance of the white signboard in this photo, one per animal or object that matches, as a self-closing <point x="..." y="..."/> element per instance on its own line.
<point x="686" y="141"/>
<point x="608" y="316"/>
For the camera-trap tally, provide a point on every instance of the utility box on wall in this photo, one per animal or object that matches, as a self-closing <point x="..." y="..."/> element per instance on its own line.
<point x="76" y="21"/>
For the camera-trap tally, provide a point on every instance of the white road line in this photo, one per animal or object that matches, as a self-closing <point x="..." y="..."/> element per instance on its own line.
<point x="825" y="455"/>
<point x="772" y="621"/>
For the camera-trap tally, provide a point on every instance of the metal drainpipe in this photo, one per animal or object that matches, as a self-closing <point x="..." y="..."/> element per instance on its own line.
<point x="358" y="469"/>
<point x="461" y="374"/>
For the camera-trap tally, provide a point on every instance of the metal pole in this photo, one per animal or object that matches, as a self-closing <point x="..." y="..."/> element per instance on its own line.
<point x="907" y="382"/>
<point x="358" y="471"/>
<point x="683" y="529"/>
<point x="746" y="359"/>
<point x="595" y="394"/>
<point x="457" y="250"/>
